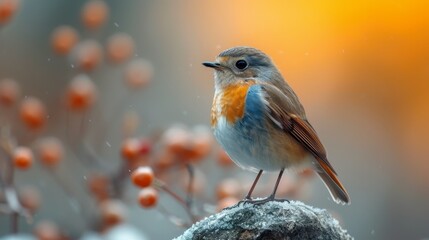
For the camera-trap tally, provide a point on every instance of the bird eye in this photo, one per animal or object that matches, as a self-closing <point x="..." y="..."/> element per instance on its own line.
<point x="241" y="64"/>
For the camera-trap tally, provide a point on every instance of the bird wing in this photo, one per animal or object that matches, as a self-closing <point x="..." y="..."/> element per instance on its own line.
<point x="278" y="105"/>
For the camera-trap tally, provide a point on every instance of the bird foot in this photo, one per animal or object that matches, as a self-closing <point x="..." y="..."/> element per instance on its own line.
<point x="263" y="200"/>
<point x="258" y="201"/>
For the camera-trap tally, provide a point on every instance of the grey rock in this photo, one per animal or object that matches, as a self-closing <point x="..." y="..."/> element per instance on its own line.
<point x="272" y="220"/>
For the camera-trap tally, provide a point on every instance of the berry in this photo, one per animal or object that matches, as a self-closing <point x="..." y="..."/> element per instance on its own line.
<point x="22" y="158"/>
<point x="63" y="39"/>
<point x="33" y="112"/>
<point x="119" y="47"/>
<point x="148" y="197"/>
<point x="81" y="93"/>
<point x="50" y="151"/>
<point x="94" y="14"/>
<point x="142" y="177"/>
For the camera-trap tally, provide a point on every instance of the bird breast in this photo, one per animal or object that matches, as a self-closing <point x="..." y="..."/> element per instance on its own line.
<point x="229" y="102"/>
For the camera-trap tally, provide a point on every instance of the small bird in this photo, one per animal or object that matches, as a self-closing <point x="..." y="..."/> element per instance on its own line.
<point x="259" y="121"/>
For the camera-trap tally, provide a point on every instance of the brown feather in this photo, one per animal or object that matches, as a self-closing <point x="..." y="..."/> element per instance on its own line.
<point x="304" y="133"/>
<point x="337" y="190"/>
<point x="293" y="124"/>
<point x="292" y="121"/>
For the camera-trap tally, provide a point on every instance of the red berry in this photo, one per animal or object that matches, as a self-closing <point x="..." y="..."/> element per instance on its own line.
<point x="94" y="14"/>
<point x="119" y="47"/>
<point x="9" y="92"/>
<point x="130" y="149"/>
<point x="81" y="93"/>
<point x="50" y="150"/>
<point x="63" y="39"/>
<point x="7" y="9"/>
<point x="113" y="212"/>
<point x="87" y="55"/>
<point x="22" y="157"/>
<point x="33" y="113"/>
<point x="148" y="197"/>
<point x="138" y="73"/>
<point x="142" y="177"/>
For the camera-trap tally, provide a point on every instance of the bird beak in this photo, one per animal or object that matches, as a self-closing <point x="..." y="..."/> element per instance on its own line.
<point x="214" y="65"/>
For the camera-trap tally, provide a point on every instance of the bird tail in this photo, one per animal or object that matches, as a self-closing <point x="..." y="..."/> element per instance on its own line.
<point x="336" y="189"/>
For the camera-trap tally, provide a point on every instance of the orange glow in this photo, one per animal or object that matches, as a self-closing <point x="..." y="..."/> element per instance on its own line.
<point x="305" y="36"/>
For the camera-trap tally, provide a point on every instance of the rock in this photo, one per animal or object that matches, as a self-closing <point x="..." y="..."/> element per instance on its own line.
<point x="272" y="220"/>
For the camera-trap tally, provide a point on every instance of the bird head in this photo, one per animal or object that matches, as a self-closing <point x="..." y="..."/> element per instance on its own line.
<point x="238" y="63"/>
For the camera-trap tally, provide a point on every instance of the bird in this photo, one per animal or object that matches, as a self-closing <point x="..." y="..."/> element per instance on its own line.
<point x="259" y="121"/>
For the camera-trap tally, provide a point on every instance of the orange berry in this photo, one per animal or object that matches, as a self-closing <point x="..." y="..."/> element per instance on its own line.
<point x="177" y="139"/>
<point x="9" y="92"/>
<point x="47" y="230"/>
<point x="94" y="14"/>
<point x="164" y="160"/>
<point x="113" y="212"/>
<point x="22" y="157"/>
<point x="142" y="177"/>
<point x="29" y="198"/>
<point x="119" y="47"/>
<point x="189" y="153"/>
<point x="99" y="186"/>
<point x="7" y="9"/>
<point x="87" y="55"/>
<point x="148" y="197"/>
<point x="228" y="188"/>
<point x="145" y="146"/>
<point x="50" y="151"/>
<point x="138" y="73"/>
<point x="81" y="93"/>
<point x="226" y="202"/>
<point x="63" y="39"/>
<point x="33" y="113"/>
<point x="202" y="142"/>
<point x="130" y="149"/>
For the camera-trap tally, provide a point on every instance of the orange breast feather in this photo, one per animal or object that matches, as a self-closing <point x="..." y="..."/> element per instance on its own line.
<point x="230" y="102"/>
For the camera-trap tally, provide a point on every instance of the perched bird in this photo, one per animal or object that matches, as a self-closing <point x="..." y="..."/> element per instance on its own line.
<point x="258" y="119"/>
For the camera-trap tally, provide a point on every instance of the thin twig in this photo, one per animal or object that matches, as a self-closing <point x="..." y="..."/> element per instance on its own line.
<point x="172" y="218"/>
<point x="189" y="196"/>
<point x="161" y="185"/>
<point x="118" y="178"/>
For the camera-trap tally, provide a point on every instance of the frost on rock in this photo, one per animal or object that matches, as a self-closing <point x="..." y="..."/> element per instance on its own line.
<point x="272" y="220"/>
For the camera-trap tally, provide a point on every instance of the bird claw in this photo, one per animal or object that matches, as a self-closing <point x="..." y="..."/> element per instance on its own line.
<point x="263" y="200"/>
<point x="257" y="201"/>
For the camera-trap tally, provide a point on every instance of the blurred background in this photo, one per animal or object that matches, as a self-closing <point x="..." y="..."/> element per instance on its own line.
<point x="361" y="69"/>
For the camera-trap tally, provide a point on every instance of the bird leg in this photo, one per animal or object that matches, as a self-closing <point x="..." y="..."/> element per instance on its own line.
<point x="273" y="194"/>
<point x="248" y="197"/>
<point x="249" y="194"/>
